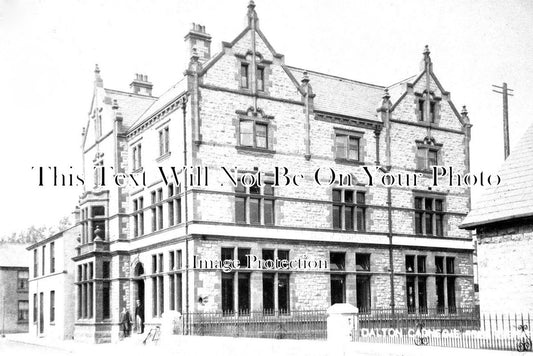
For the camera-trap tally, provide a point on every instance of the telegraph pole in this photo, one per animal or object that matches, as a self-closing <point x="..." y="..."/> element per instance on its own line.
<point x="506" y="92"/>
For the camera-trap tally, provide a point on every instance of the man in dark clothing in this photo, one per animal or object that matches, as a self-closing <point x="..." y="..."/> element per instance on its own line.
<point x="125" y="322"/>
<point x="139" y="317"/>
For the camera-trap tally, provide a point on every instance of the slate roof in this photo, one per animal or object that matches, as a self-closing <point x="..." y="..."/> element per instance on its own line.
<point x="13" y="255"/>
<point x="513" y="198"/>
<point x="130" y="105"/>
<point x="343" y="96"/>
<point x="175" y="91"/>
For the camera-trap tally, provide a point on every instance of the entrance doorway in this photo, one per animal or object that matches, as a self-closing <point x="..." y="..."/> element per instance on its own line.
<point x="138" y="275"/>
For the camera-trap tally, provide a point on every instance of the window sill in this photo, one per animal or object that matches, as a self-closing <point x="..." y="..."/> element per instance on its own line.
<point x="137" y="170"/>
<point x="23" y="322"/>
<point x="163" y="157"/>
<point x="352" y="162"/>
<point x="254" y="149"/>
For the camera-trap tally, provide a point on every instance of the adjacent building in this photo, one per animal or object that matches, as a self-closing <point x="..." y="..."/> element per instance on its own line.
<point x="14" y="304"/>
<point x="503" y="221"/>
<point x="239" y="114"/>
<point x="51" y="285"/>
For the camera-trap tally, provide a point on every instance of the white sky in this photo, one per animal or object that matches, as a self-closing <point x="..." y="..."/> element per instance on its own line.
<point x="48" y="50"/>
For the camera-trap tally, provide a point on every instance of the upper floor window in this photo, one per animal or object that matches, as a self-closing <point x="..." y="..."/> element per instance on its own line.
<point x="427" y="153"/>
<point x="349" y="210"/>
<point x="348" y="145"/>
<point x="138" y="217"/>
<point x="253" y="134"/>
<point x="35" y="263"/>
<point x="244" y="76"/>
<point x="163" y="141"/>
<point x="22" y="279"/>
<point x="254" y="205"/>
<point x="52" y="257"/>
<point x="429" y="216"/>
<point x="425" y="107"/>
<point x="260" y="77"/>
<point x="137" y="157"/>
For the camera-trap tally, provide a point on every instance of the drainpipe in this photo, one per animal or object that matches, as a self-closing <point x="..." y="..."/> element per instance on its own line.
<point x="185" y="208"/>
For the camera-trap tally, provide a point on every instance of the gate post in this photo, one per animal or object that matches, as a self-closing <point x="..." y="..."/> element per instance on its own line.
<point x="342" y="322"/>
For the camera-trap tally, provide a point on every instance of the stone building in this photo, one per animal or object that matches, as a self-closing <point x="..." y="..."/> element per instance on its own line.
<point x="51" y="285"/>
<point x="503" y="221"/>
<point x="14" y="303"/>
<point x="245" y="110"/>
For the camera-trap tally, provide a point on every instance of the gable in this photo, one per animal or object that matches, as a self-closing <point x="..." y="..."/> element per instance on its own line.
<point x="405" y="106"/>
<point x="223" y="70"/>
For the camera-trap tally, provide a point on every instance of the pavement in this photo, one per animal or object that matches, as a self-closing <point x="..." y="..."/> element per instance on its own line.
<point x="24" y="344"/>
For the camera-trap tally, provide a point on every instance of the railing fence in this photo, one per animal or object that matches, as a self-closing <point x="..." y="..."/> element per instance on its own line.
<point x="464" y="328"/>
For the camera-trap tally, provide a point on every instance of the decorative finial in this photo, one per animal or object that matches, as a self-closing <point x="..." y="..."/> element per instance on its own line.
<point x="97" y="233"/>
<point x="115" y="104"/>
<point x="97" y="78"/>
<point x="464" y="112"/>
<point x="252" y="15"/>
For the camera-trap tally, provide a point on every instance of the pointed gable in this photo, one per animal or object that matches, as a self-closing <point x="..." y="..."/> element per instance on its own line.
<point x="224" y="69"/>
<point x="425" y="86"/>
<point x="513" y="197"/>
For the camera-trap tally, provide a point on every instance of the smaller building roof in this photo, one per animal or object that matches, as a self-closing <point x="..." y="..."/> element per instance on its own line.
<point x="174" y="92"/>
<point x="130" y="105"/>
<point x="513" y="197"/>
<point x="13" y="255"/>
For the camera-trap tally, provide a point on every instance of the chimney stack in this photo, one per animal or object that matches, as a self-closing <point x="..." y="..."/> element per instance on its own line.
<point x="141" y="85"/>
<point x="199" y="39"/>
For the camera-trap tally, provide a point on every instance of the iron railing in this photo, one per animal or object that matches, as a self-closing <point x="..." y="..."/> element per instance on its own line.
<point x="306" y="324"/>
<point x="458" y="327"/>
<point x="464" y="328"/>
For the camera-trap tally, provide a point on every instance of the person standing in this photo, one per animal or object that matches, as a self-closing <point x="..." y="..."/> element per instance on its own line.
<point x="139" y="317"/>
<point x="125" y="322"/>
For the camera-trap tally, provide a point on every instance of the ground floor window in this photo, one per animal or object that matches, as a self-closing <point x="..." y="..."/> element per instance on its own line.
<point x="271" y="282"/>
<point x="239" y="283"/>
<point x="244" y="293"/>
<point x="338" y="290"/>
<point x="227" y="293"/>
<point x="363" y="294"/>
<point x="445" y="284"/>
<point x="175" y="292"/>
<point x="85" y="290"/>
<point x="52" y="306"/>
<point x="106" y="300"/>
<point x="23" y="309"/>
<point x="35" y="308"/>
